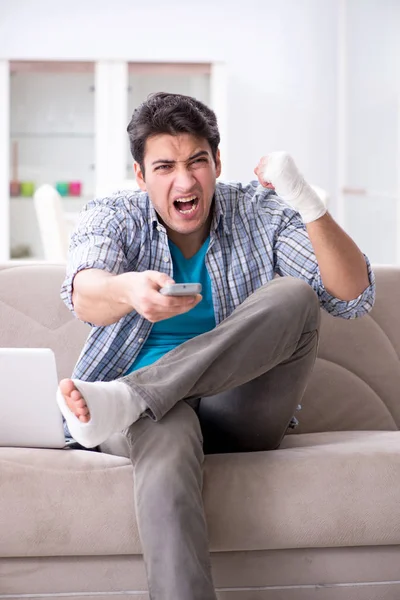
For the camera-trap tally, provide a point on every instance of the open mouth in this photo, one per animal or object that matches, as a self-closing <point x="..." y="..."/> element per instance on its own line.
<point x="186" y="206"/>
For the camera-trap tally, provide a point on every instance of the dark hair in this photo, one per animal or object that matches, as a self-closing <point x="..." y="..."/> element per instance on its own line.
<point x="171" y="114"/>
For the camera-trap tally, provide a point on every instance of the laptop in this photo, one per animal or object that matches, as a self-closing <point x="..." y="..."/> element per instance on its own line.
<point x="29" y="414"/>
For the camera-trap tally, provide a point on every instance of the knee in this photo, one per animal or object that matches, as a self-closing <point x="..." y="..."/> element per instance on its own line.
<point x="301" y="297"/>
<point x="296" y="286"/>
<point x="169" y="446"/>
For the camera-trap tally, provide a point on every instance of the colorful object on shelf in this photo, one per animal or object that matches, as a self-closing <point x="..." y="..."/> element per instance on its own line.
<point x="62" y="188"/>
<point x="75" y="188"/>
<point x="27" y="189"/>
<point x="15" y="188"/>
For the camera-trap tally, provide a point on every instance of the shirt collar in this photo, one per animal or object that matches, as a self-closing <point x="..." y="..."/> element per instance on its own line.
<point x="153" y="218"/>
<point x="220" y="217"/>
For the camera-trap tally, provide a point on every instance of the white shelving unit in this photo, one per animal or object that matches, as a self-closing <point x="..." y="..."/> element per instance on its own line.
<point x="69" y="120"/>
<point x="4" y="161"/>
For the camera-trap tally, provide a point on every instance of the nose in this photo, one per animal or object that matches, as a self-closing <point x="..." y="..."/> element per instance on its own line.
<point x="184" y="179"/>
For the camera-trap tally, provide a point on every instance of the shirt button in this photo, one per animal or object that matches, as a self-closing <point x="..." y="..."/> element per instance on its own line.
<point x="166" y="258"/>
<point x="159" y="228"/>
<point x="141" y="340"/>
<point x="119" y="370"/>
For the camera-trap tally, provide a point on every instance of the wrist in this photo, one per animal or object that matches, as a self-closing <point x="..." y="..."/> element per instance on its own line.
<point x="119" y="289"/>
<point x="308" y="204"/>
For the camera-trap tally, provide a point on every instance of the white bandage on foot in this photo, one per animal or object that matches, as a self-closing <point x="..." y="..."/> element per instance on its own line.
<point x="112" y="406"/>
<point x="291" y="186"/>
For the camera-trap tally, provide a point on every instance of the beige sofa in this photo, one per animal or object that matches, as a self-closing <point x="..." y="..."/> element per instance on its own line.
<point x="318" y="518"/>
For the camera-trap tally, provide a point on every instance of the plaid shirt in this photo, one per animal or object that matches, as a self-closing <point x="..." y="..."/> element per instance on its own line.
<point x="253" y="237"/>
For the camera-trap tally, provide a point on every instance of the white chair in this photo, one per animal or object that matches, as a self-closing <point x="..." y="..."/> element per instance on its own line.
<point x="55" y="225"/>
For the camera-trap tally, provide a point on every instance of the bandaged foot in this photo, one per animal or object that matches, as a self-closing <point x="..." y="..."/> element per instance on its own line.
<point x="94" y="411"/>
<point x="280" y="170"/>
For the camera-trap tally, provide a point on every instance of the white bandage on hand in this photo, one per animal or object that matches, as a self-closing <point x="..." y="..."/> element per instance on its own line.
<point x="290" y="185"/>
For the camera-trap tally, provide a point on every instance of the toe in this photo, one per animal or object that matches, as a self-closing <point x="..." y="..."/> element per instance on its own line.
<point x="74" y="400"/>
<point x="80" y="402"/>
<point x="67" y="386"/>
<point x="81" y="409"/>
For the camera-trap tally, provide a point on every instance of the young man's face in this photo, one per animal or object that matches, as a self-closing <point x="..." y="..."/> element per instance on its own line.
<point x="180" y="177"/>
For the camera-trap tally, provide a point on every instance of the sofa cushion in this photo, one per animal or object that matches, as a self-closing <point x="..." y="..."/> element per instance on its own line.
<point x="319" y="490"/>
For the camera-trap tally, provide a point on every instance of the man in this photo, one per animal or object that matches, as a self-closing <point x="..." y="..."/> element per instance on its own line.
<point x="230" y="365"/>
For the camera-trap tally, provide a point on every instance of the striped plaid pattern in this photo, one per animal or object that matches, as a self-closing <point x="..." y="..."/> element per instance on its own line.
<point x="253" y="236"/>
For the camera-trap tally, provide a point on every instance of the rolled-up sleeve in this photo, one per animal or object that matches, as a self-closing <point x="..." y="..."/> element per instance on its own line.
<point x="294" y="255"/>
<point x="96" y="243"/>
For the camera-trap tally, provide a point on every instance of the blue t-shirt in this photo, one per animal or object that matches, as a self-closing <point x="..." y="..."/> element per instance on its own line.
<point x="170" y="333"/>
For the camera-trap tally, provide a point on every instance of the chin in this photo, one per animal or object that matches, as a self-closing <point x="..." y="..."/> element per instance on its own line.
<point x="186" y="230"/>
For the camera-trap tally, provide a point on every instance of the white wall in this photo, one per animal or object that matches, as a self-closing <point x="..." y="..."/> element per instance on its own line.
<point x="281" y="60"/>
<point x="373" y="127"/>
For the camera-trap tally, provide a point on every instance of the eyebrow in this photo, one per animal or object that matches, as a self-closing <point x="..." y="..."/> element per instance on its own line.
<point x="165" y="161"/>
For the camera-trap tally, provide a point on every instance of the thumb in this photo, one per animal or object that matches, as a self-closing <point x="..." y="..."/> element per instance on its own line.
<point x="160" y="279"/>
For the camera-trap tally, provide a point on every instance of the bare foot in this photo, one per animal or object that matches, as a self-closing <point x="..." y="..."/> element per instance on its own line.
<point x="74" y="400"/>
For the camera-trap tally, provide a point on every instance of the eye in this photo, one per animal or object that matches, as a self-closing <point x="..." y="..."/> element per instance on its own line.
<point x="203" y="160"/>
<point x="162" y="168"/>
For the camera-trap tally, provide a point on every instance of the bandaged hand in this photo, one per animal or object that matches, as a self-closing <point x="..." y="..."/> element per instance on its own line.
<point x="278" y="170"/>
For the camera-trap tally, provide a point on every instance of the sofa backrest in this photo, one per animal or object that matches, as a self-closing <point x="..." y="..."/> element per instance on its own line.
<point x="356" y="380"/>
<point x="32" y="314"/>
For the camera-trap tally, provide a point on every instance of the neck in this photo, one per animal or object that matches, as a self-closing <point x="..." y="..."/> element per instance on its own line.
<point x="190" y="244"/>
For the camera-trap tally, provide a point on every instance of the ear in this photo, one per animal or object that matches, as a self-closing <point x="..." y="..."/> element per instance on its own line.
<point x="218" y="166"/>
<point x="139" y="177"/>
